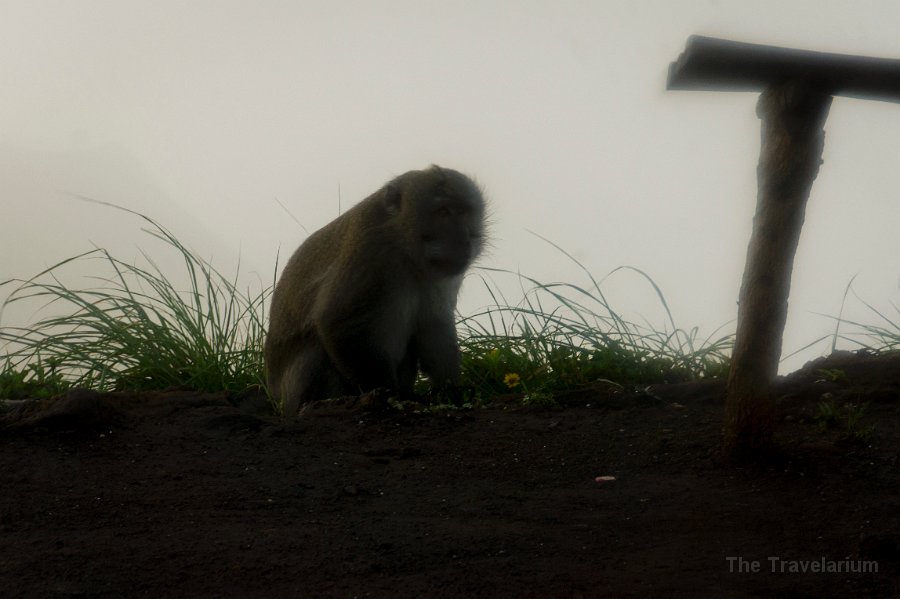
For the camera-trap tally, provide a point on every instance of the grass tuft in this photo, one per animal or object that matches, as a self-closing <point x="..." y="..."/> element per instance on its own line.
<point x="883" y="335"/>
<point x="138" y="330"/>
<point x="563" y="336"/>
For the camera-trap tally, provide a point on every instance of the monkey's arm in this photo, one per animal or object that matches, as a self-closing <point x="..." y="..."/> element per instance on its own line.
<point x="435" y="341"/>
<point x="364" y="323"/>
<point x="437" y="347"/>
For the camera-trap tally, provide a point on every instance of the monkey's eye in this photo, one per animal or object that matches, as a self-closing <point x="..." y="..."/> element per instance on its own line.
<point x="443" y="211"/>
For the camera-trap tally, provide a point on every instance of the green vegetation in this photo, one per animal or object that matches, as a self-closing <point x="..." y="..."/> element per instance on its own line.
<point x="137" y="330"/>
<point x="563" y="336"/>
<point x="834" y="375"/>
<point x="884" y="335"/>
<point x="850" y="418"/>
<point x="828" y="415"/>
<point x="35" y="380"/>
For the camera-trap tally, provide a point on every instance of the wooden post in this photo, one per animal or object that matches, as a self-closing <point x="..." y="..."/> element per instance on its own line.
<point x="796" y="86"/>
<point x="793" y="115"/>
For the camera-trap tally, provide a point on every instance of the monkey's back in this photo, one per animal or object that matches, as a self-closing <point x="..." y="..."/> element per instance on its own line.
<point x="314" y="266"/>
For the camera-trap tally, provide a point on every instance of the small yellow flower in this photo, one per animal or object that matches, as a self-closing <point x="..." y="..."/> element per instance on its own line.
<point x="512" y="380"/>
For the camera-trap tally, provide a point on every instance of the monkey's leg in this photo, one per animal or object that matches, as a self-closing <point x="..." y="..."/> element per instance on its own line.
<point x="311" y="377"/>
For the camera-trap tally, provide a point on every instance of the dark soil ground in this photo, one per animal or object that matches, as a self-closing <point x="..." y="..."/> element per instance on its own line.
<point x="184" y="495"/>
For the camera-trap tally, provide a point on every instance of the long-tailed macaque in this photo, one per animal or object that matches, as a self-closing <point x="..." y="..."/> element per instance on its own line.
<point x="369" y="299"/>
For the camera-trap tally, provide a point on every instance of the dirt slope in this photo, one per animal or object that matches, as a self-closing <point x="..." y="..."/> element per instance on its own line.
<point x="186" y="495"/>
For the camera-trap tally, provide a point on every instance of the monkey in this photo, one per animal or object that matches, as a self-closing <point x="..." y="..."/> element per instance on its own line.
<point x="369" y="299"/>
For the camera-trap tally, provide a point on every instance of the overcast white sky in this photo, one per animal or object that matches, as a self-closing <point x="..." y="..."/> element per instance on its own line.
<point x="205" y="114"/>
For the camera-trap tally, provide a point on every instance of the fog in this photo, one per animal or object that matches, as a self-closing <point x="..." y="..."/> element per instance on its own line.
<point x="242" y="126"/>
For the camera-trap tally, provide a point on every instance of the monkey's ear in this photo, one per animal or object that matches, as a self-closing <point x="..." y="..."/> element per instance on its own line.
<point x="392" y="198"/>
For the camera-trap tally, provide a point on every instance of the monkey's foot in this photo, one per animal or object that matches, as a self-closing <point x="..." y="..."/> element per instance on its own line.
<point x="372" y="401"/>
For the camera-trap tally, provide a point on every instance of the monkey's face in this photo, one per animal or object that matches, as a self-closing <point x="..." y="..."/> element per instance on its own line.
<point x="440" y="213"/>
<point x="451" y="232"/>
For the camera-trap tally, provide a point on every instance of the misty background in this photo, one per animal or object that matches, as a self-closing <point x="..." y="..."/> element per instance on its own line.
<point x="226" y="120"/>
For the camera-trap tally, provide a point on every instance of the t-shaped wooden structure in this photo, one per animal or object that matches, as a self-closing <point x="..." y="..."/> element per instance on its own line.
<point x="797" y="87"/>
